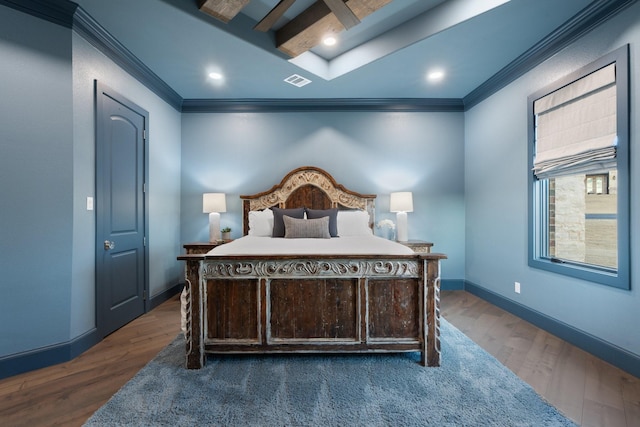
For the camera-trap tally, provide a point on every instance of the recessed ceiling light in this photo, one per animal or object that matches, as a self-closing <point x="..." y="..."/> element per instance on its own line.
<point x="329" y="41"/>
<point x="215" y="76"/>
<point x="435" y="75"/>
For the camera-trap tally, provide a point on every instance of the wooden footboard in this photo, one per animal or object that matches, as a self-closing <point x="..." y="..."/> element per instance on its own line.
<point x="337" y="304"/>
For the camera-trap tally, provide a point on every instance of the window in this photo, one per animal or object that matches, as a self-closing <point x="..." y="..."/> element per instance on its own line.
<point x="598" y="183"/>
<point x="579" y="180"/>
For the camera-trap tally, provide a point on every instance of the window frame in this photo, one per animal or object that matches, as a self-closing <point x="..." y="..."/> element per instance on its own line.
<point x="537" y="189"/>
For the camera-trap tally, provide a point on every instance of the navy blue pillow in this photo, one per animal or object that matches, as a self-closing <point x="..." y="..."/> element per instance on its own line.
<point x="278" y="222"/>
<point x="333" y="218"/>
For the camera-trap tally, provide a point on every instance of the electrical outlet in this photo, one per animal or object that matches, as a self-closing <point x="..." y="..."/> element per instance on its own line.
<point x="517" y="287"/>
<point x="89" y="203"/>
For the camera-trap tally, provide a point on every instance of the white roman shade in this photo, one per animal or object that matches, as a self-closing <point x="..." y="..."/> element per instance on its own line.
<point x="576" y="126"/>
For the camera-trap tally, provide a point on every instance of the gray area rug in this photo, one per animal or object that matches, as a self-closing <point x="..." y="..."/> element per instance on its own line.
<point x="471" y="388"/>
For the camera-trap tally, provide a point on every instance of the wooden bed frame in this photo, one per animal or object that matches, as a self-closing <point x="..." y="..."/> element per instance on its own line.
<point x="312" y="303"/>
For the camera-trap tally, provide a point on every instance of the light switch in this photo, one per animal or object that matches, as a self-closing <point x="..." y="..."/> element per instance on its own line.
<point x="89" y="203"/>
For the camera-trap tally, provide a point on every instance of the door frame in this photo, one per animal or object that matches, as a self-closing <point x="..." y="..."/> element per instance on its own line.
<point x="102" y="90"/>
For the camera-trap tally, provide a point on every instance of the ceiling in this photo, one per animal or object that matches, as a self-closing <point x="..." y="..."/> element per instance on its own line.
<point x="387" y="55"/>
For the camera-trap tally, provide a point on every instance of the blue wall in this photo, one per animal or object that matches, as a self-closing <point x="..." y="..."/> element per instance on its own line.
<point x="36" y="182"/>
<point x="373" y="153"/>
<point x="496" y="199"/>
<point x="47" y="158"/>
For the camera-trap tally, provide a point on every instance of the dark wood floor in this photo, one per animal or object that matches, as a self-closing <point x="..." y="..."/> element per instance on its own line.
<point x="586" y="389"/>
<point x="67" y="394"/>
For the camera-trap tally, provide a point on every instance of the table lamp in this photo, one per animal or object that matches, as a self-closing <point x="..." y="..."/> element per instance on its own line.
<point x="401" y="203"/>
<point x="213" y="204"/>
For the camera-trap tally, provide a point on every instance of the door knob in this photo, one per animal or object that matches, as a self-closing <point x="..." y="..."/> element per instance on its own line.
<point x="108" y="245"/>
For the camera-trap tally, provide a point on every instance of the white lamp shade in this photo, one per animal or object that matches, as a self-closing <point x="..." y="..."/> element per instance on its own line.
<point x="401" y="202"/>
<point x="214" y="202"/>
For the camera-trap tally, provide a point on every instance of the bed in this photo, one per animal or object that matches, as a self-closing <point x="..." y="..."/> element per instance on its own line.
<point x="309" y="297"/>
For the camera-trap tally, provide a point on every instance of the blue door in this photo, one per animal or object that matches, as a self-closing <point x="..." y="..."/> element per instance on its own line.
<point x="121" y="267"/>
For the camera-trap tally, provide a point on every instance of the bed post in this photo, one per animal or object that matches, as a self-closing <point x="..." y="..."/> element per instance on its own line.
<point x="431" y="274"/>
<point x="193" y="339"/>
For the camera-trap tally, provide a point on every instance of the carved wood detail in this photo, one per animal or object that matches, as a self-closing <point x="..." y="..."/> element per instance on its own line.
<point x="389" y="286"/>
<point x="296" y="181"/>
<point x="310" y="268"/>
<point x="432" y="314"/>
<point x="308" y="177"/>
<point x="193" y="339"/>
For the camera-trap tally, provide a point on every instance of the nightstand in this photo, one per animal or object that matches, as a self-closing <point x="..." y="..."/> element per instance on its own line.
<point x="418" y="245"/>
<point x="202" y="247"/>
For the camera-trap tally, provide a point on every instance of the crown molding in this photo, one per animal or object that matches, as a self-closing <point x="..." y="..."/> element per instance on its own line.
<point x="587" y="19"/>
<point x="315" y="104"/>
<point x="70" y="15"/>
<point x="89" y="29"/>
<point x="59" y="12"/>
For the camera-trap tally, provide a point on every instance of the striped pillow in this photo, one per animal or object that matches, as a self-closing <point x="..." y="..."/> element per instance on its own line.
<point x="306" y="228"/>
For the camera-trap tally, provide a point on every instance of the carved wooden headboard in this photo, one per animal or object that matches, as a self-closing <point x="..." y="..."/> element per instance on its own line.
<point x="310" y="187"/>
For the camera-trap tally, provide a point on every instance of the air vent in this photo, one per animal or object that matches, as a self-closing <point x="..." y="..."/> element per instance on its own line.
<point x="297" y="80"/>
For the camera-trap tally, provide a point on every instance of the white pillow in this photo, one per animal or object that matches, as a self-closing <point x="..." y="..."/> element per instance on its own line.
<point x="261" y="223"/>
<point x="353" y="223"/>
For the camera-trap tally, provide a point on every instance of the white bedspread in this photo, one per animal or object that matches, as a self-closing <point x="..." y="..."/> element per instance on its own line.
<point x="349" y="245"/>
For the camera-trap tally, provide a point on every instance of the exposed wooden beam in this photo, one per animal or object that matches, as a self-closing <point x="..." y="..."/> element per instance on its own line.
<point x="274" y="14"/>
<point x="346" y="17"/>
<point x="224" y="10"/>
<point x="307" y="29"/>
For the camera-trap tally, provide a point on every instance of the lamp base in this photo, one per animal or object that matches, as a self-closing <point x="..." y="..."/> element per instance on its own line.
<point x="214" y="227"/>
<point x="401" y="220"/>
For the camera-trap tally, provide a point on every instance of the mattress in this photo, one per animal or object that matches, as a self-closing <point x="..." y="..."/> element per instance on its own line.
<point x="348" y="245"/>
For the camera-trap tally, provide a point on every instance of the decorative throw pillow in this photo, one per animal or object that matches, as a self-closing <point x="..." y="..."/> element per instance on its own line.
<point x="278" y="224"/>
<point x="306" y="228"/>
<point x="261" y="223"/>
<point x="333" y="218"/>
<point x="353" y="223"/>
